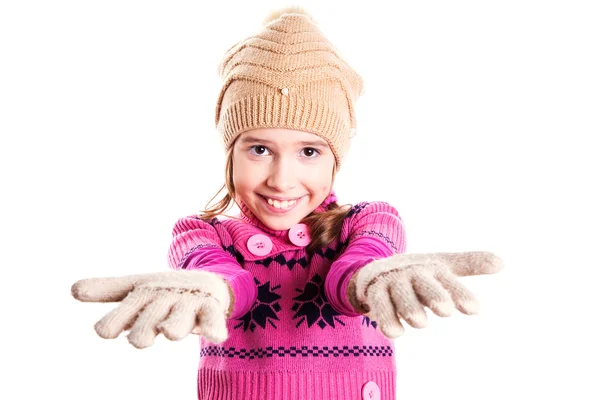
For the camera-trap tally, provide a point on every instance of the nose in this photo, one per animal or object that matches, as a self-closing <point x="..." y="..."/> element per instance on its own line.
<point x="283" y="176"/>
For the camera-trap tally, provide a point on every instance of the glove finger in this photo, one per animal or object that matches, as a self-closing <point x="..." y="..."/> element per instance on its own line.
<point x="113" y="323"/>
<point x="431" y="293"/>
<point x="473" y="263"/>
<point x="144" y="329"/>
<point x="180" y="322"/>
<point x="463" y="298"/>
<point x="104" y="289"/>
<point x="211" y="321"/>
<point x="406" y="302"/>
<point x="382" y="311"/>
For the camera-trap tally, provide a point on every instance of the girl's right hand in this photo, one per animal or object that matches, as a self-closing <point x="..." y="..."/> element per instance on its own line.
<point x="174" y="303"/>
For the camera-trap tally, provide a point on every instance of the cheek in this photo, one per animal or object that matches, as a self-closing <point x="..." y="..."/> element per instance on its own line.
<point x="240" y="181"/>
<point x="321" y="184"/>
<point x="238" y="175"/>
<point x="326" y="177"/>
<point x="245" y="175"/>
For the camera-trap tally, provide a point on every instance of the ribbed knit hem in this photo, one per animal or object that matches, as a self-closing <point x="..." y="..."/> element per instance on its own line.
<point x="256" y="385"/>
<point x="290" y="112"/>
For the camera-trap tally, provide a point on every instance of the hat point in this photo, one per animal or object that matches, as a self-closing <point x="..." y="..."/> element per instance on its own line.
<point x="276" y="14"/>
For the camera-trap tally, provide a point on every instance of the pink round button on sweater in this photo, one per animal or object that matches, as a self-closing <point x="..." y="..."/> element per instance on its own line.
<point x="259" y="244"/>
<point x="298" y="235"/>
<point x="370" y="391"/>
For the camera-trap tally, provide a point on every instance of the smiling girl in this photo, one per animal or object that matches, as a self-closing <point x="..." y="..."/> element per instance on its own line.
<point x="296" y="297"/>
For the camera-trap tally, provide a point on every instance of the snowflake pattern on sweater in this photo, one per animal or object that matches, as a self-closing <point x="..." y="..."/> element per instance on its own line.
<point x="292" y="322"/>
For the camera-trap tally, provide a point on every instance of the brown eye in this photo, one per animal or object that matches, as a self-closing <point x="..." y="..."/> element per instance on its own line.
<point x="258" y="150"/>
<point x="310" y="152"/>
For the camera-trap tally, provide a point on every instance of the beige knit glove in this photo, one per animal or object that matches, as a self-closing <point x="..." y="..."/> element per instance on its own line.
<point x="396" y="287"/>
<point x="175" y="303"/>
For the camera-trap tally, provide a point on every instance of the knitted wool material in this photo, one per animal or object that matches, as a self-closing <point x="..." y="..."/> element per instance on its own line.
<point x="402" y="284"/>
<point x="168" y="301"/>
<point x="292" y="343"/>
<point x="290" y="76"/>
<point x="241" y="282"/>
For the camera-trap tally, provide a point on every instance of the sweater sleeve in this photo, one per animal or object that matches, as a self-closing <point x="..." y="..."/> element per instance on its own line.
<point x="374" y="230"/>
<point x="197" y="245"/>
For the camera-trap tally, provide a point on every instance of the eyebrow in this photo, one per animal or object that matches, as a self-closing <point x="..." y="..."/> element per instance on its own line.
<point x="315" y="143"/>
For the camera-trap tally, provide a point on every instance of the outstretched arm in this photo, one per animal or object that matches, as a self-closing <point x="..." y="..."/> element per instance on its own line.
<point x="208" y="287"/>
<point x="372" y="231"/>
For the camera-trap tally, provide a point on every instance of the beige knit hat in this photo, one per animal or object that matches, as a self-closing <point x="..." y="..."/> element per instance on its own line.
<point x="290" y="76"/>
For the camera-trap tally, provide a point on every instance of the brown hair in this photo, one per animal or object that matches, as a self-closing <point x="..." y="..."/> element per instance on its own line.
<point x="324" y="226"/>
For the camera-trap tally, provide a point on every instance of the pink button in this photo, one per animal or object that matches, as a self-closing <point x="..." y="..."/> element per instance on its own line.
<point x="259" y="244"/>
<point x="370" y="391"/>
<point x="298" y="235"/>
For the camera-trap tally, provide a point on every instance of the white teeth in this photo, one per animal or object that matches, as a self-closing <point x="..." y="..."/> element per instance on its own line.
<point x="281" y="204"/>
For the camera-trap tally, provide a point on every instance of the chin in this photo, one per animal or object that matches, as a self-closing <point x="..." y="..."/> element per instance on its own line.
<point x="280" y="225"/>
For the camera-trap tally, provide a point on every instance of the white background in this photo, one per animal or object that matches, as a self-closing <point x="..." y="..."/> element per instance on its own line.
<point x="479" y="123"/>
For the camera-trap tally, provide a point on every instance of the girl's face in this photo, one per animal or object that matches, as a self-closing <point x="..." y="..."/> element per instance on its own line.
<point x="281" y="175"/>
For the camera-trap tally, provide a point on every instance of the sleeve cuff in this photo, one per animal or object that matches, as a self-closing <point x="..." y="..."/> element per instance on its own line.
<point x="241" y="282"/>
<point x="362" y="251"/>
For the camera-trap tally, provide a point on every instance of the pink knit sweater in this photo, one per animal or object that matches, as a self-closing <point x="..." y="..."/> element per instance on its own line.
<point x="293" y="334"/>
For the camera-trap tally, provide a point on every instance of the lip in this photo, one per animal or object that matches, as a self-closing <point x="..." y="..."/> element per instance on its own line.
<point x="274" y="210"/>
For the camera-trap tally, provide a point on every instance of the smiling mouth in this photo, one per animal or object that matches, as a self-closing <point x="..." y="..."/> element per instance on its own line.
<point x="281" y="204"/>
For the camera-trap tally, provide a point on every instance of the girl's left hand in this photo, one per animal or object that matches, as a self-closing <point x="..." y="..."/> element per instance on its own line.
<point x="401" y="286"/>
